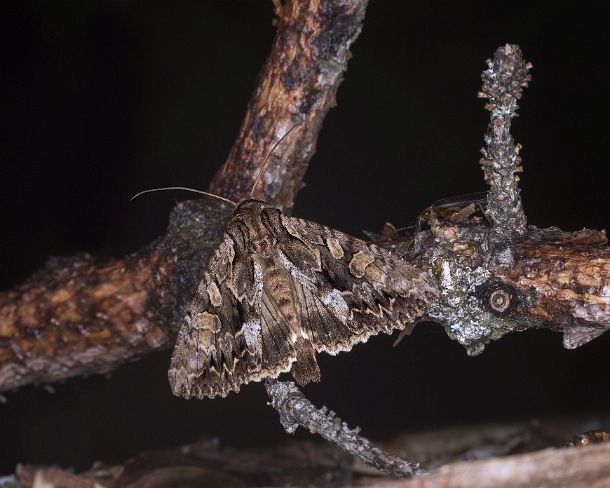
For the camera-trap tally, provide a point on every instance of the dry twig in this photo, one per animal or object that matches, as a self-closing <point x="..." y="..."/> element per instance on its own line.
<point x="295" y="410"/>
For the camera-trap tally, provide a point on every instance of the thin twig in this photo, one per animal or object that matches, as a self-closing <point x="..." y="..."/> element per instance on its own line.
<point x="503" y="85"/>
<point x="295" y="409"/>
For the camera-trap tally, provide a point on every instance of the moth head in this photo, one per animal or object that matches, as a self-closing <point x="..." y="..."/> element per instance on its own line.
<point x="254" y="221"/>
<point x="248" y="209"/>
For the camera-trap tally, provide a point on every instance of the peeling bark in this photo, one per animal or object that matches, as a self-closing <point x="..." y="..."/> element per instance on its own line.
<point x="503" y="85"/>
<point x="494" y="274"/>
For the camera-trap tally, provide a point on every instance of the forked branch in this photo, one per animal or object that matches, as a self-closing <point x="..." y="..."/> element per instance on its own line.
<point x="78" y="316"/>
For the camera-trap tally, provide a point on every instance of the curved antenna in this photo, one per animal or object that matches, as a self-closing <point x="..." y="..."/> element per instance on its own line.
<point x="185" y="189"/>
<point x="260" y="170"/>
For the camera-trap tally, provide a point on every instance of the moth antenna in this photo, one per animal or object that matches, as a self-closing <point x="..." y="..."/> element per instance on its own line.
<point x="185" y="188"/>
<point x="260" y="170"/>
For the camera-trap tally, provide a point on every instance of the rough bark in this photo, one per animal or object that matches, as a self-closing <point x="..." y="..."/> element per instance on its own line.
<point x="78" y="316"/>
<point x="295" y="410"/>
<point x="465" y="451"/>
<point x="297" y="87"/>
<point x="496" y="275"/>
<point x="503" y="85"/>
<point x="588" y="467"/>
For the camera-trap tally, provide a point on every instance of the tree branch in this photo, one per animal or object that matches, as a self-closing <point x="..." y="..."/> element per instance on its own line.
<point x="78" y="316"/>
<point x="208" y="463"/>
<point x="495" y="274"/>
<point x="295" y="410"/>
<point x="577" y="468"/>
<point x="297" y="87"/>
<point x="503" y="85"/>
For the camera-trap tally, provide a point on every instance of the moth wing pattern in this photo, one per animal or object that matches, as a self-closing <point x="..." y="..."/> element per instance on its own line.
<point x="359" y="288"/>
<point x="279" y="288"/>
<point x="210" y="335"/>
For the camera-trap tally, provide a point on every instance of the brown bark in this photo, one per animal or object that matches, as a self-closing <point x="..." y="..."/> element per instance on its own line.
<point x="571" y="275"/>
<point x="588" y="467"/>
<point x="305" y="463"/>
<point x="78" y="316"/>
<point x="297" y="87"/>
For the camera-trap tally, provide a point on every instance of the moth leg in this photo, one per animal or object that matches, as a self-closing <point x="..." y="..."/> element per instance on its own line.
<point x="305" y="369"/>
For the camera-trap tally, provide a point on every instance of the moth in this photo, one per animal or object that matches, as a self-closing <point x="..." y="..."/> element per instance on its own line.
<point x="278" y="290"/>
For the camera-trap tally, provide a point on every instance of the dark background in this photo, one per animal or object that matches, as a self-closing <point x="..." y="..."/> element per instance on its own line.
<point x="103" y="99"/>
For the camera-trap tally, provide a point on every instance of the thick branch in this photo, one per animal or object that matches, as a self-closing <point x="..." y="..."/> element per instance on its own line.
<point x="295" y="410"/>
<point x="496" y="275"/>
<point x="570" y="273"/>
<point x="78" y="316"/>
<point x="297" y="87"/>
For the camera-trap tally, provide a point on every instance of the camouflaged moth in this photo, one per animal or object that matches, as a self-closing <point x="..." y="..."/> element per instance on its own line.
<point x="277" y="290"/>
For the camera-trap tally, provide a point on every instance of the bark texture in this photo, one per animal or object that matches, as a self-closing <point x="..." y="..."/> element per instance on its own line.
<point x="503" y="85"/>
<point x="495" y="274"/>
<point x="295" y="410"/>
<point x="466" y="453"/>
<point x="78" y="316"/>
<point x="297" y="87"/>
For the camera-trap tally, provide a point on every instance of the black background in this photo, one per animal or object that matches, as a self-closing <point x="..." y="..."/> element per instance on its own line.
<point x="103" y="99"/>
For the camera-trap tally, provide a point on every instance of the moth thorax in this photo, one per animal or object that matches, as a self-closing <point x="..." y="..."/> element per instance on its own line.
<point x="263" y="245"/>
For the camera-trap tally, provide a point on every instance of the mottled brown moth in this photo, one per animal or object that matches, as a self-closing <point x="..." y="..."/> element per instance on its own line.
<point x="279" y="289"/>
